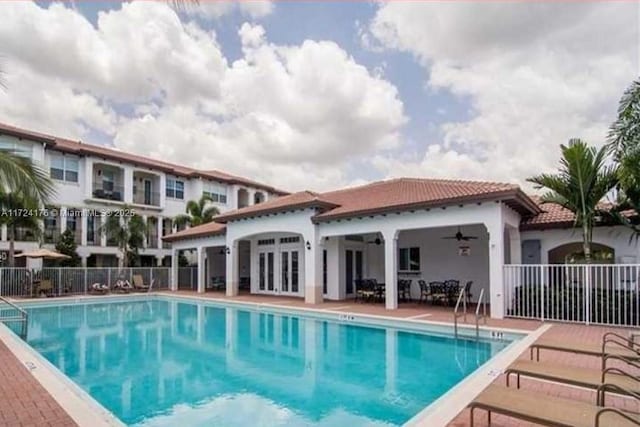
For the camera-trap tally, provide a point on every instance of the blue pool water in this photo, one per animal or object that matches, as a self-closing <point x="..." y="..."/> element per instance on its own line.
<point x="172" y="363"/>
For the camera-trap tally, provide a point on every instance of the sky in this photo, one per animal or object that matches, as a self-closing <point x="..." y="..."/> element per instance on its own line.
<point x="321" y="95"/>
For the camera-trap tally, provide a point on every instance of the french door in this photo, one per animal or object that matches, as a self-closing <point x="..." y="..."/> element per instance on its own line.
<point x="266" y="272"/>
<point x="290" y="272"/>
<point x="353" y="269"/>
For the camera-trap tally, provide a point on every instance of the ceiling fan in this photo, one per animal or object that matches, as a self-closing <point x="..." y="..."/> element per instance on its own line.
<point x="376" y="241"/>
<point x="460" y="237"/>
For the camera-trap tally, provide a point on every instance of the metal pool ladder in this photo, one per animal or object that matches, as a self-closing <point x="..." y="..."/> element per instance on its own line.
<point x="22" y="317"/>
<point x="461" y="297"/>
<point x="481" y="303"/>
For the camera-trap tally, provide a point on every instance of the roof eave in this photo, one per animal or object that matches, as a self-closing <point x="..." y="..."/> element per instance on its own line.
<point x="224" y="218"/>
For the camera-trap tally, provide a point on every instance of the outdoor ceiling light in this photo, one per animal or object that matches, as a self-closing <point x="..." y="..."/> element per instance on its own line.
<point x="308" y="245"/>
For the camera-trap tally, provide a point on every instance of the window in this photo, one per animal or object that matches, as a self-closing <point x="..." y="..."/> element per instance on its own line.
<point x="63" y="168"/>
<point x="295" y="239"/>
<point x="175" y="188"/>
<point x="266" y="242"/>
<point x="108" y="180"/>
<point x="409" y="259"/>
<point x="217" y="192"/>
<point x="19" y="148"/>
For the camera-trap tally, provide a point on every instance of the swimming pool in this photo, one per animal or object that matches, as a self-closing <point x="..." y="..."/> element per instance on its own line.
<point x="161" y="361"/>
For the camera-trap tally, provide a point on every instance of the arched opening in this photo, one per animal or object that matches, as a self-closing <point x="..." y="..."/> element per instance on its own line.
<point x="258" y="197"/>
<point x="243" y="198"/>
<point x="572" y="253"/>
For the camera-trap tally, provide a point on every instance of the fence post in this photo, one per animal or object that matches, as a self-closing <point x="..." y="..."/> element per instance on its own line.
<point x="1" y="275"/>
<point x="86" y="284"/>
<point x="59" y="281"/>
<point x="150" y="275"/>
<point x="587" y="294"/>
<point x="542" y="300"/>
<point x="108" y="277"/>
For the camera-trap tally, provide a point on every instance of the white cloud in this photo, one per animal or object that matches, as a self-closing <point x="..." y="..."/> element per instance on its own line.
<point x="217" y="8"/>
<point x="535" y="74"/>
<point x="293" y="116"/>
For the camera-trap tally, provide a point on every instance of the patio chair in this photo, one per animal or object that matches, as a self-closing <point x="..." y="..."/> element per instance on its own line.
<point x="438" y="293"/>
<point x="122" y="286"/>
<point x="425" y="292"/>
<point x="45" y="287"/>
<point x="612" y="345"/>
<point x="452" y="289"/>
<point x="138" y="283"/>
<point x="616" y="379"/>
<point x="548" y="410"/>
<point x="467" y="291"/>
<point x="98" y="289"/>
<point x="404" y="290"/>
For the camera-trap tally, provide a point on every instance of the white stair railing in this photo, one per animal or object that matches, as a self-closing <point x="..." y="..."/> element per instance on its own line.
<point x="461" y="297"/>
<point x="481" y="303"/>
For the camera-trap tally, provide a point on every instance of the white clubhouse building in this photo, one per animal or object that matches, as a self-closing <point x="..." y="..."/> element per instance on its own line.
<point x="318" y="245"/>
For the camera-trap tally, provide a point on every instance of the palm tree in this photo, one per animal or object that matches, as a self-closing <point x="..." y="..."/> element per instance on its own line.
<point x="20" y="174"/>
<point x="128" y="232"/>
<point x="197" y="213"/>
<point x="582" y="181"/>
<point x="19" y="213"/>
<point x="624" y="140"/>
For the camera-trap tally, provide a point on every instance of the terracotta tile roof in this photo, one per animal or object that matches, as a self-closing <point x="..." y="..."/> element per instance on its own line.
<point x="300" y="200"/>
<point x="554" y="215"/>
<point x="84" y="149"/>
<point x="407" y="193"/>
<point x="204" y="230"/>
<point x="385" y="196"/>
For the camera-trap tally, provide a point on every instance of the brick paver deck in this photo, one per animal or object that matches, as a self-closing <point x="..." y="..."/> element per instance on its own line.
<point x="24" y="402"/>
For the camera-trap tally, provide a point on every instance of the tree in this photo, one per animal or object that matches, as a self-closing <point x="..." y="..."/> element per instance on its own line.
<point x="67" y="245"/>
<point x="197" y="213"/>
<point x="582" y="181"/>
<point x="19" y="212"/>
<point x="624" y="141"/>
<point x="20" y="174"/>
<point x="128" y="232"/>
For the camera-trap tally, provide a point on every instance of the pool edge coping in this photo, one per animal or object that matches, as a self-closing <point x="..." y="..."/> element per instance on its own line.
<point x="83" y="409"/>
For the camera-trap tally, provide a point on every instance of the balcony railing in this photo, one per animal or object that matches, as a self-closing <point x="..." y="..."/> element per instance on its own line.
<point x="108" y="192"/>
<point x="148" y="198"/>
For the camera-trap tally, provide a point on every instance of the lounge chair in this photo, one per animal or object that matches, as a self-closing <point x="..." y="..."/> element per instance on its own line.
<point x="44" y="287"/>
<point x="620" y="382"/>
<point x="549" y="410"/>
<point x="612" y="344"/>
<point x="99" y="289"/>
<point x="122" y="286"/>
<point x="138" y="283"/>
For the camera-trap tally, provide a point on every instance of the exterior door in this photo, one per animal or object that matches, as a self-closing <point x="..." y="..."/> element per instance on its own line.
<point x="266" y="281"/>
<point x="290" y="272"/>
<point x="353" y="269"/>
<point x="147" y="192"/>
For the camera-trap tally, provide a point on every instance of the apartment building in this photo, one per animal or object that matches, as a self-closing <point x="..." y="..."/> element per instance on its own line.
<point x="92" y="179"/>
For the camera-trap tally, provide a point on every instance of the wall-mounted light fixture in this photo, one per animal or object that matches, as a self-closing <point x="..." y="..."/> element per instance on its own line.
<point x="308" y="245"/>
<point x="228" y="250"/>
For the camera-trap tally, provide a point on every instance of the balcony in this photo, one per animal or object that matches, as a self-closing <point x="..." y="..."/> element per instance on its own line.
<point x="146" y="189"/>
<point x="108" y="182"/>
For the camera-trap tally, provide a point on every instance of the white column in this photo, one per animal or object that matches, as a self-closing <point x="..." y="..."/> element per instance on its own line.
<point x="83" y="262"/>
<point x="312" y="268"/>
<point x="3" y="232"/>
<point x="202" y="279"/>
<point x="496" y="261"/>
<point x="62" y="217"/>
<point x="174" y="270"/>
<point x="159" y="260"/>
<point x="233" y="267"/>
<point x="128" y="185"/>
<point x="145" y="242"/>
<point x="160" y="221"/>
<point x="103" y="236"/>
<point x="391" y="269"/>
<point x="252" y="195"/>
<point x="88" y="178"/>
<point x="83" y="228"/>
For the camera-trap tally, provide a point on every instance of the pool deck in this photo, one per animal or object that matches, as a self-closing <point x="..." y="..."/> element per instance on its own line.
<point x="24" y="402"/>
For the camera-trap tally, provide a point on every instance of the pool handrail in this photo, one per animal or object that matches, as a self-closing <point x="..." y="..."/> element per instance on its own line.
<point x="23" y="318"/>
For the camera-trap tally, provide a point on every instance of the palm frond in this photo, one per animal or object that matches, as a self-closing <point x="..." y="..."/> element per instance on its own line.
<point x="21" y="175"/>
